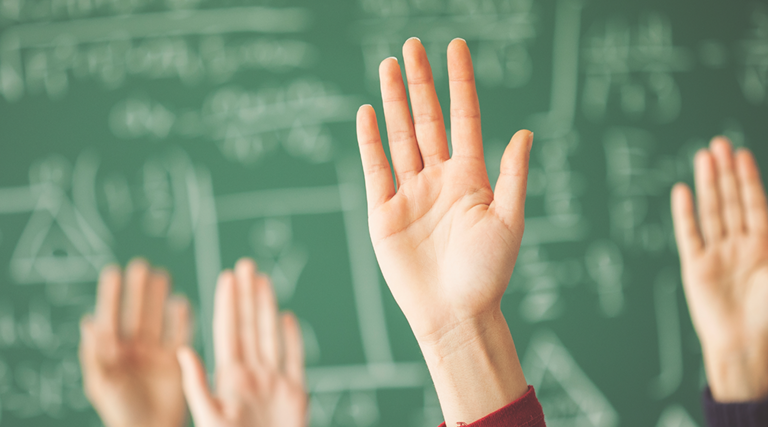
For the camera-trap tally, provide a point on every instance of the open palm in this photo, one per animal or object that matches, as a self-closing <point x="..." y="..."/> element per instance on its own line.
<point x="128" y="358"/>
<point x="259" y="359"/>
<point x="444" y="236"/>
<point x="724" y="261"/>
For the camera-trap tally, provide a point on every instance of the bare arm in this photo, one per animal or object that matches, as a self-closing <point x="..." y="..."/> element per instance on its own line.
<point x="724" y="260"/>
<point x="446" y="242"/>
<point x="259" y="359"/>
<point x="128" y="350"/>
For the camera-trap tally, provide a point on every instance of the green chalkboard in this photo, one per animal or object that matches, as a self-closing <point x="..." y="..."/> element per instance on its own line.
<point x="195" y="132"/>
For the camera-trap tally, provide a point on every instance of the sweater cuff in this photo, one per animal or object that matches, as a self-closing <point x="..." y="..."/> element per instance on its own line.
<point x="523" y="412"/>
<point x="747" y="414"/>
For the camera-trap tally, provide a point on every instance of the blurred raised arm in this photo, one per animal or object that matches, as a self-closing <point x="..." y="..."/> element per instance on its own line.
<point x="724" y="260"/>
<point x="128" y="349"/>
<point x="259" y="359"/>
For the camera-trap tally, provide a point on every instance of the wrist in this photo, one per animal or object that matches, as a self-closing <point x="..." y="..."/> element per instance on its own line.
<point x="475" y="368"/>
<point x="464" y="335"/>
<point x="738" y="374"/>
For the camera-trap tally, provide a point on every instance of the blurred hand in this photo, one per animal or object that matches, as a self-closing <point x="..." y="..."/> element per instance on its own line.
<point x="259" y="359"/>
<point x="724" y="260"/>
<point x="445" y="241"/>
<point x="128" y="354"/>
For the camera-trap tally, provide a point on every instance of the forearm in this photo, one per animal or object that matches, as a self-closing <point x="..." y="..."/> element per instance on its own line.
<point x="475" y="368"/>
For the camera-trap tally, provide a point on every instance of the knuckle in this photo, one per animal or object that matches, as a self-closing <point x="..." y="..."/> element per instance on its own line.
<point x="467" y="77"/>
<point x="372" y="140"/>
<point x="388" y="99"/>
<point x="421" y="79"/>
<point x="465" y="113"/>
<point x="427" y="118"/>
<point x="513" y="173"/>
<point x="376" y="168"/>
<point x="401" y="136"/>
<point x="430" y="158"/>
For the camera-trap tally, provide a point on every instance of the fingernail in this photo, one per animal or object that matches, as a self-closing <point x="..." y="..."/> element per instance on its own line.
<point x="701" y="155"/>
<point x="722" y="140"/>
<point x="162" y="272"/>
<point x="530" y="141"/>
<point x="110" y="269"/>
<point x="391" y="57"/>
<point x="139" y="260"/>
<point x="459" y="38"/>
<point x="415" y="38"/>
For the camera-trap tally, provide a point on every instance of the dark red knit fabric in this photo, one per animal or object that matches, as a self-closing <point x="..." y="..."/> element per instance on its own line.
<point x="523" y="412"/>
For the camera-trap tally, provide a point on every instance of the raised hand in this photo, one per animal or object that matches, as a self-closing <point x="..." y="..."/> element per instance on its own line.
<point x="445" y="241"/>
<point x="259" y="359"/>
<point x="128" y="352"/>
<point x="724" y="260"/>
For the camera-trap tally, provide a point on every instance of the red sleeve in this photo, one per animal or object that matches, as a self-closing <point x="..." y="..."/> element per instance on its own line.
<point x="523" y="412"/>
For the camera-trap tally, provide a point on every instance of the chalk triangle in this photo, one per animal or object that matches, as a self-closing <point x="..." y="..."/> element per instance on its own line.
<point x="568" y="396"/>
<point x="57" y="245"/>
<point x="676" y="416"/>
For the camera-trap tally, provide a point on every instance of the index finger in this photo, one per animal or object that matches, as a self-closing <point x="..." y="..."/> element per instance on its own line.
<point x="687" y="234"/>
<point x="708" y="197"/>
<point x="406" y="157"/>
<point x="379" y="186"/>
<point x="267" y="321"/>
<point x="137" y="276"/>
<point x="108" y="299"/>
<point x="245" y="271"/>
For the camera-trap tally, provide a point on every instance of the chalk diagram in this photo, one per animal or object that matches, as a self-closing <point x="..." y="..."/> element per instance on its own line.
<point x="69" y="236"/>
<point x="567" y="395"/>
<point x="499" y="32"/>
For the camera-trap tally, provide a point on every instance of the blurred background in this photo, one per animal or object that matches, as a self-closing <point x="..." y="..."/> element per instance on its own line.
<point x="194" y="132"/>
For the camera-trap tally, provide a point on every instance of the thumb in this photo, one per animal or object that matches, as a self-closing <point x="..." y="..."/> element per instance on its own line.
<point x="195" y="384"/>
<point x="509" y="194"/>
